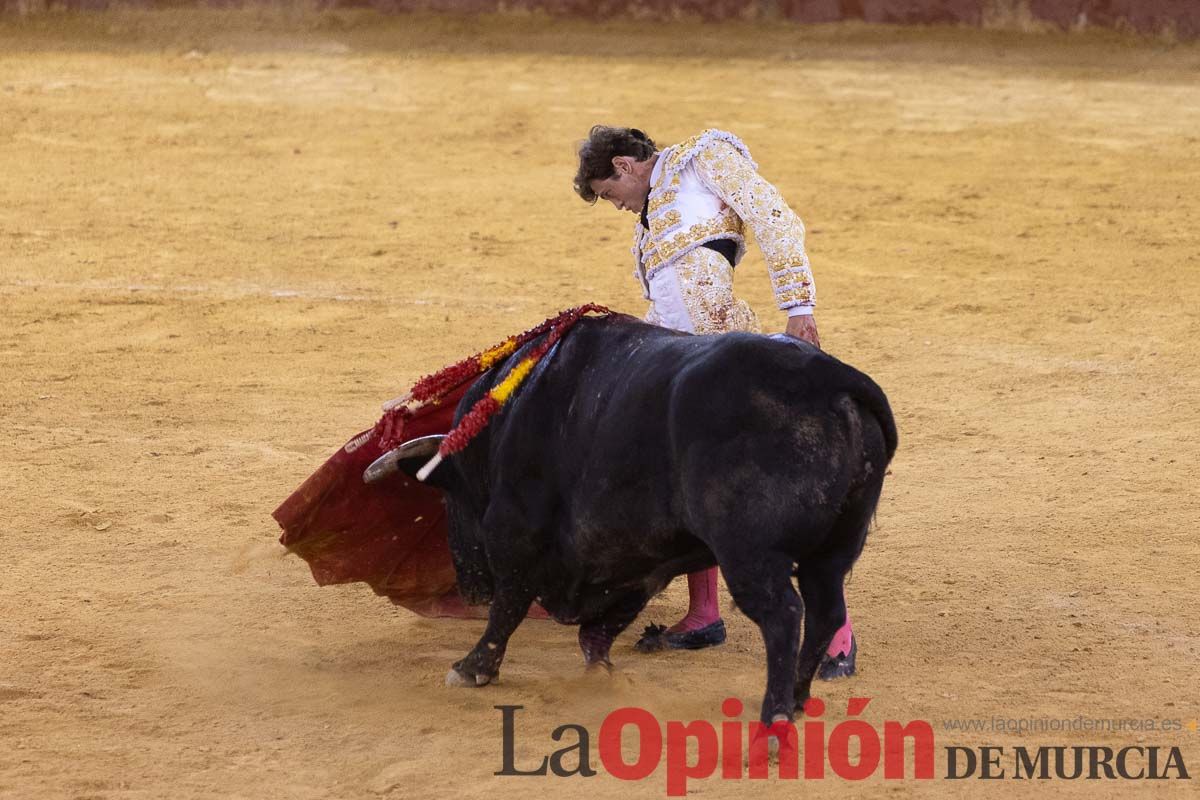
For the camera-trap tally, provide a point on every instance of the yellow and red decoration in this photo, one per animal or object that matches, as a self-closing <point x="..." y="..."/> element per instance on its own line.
<point x="432" y="388"/>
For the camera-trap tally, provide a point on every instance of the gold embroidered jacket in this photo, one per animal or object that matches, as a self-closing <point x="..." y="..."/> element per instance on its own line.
<point x="701" y="190"/>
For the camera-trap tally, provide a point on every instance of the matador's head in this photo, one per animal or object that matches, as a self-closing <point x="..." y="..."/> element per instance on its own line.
<point x="615" y="165"/>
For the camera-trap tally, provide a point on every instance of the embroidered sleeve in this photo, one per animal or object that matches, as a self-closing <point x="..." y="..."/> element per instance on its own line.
<point x="730" y="174"/>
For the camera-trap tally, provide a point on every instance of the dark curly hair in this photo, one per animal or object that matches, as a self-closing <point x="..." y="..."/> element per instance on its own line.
<point x="603" y="144"/>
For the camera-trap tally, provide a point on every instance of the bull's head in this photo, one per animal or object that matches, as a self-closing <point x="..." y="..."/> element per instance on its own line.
<point x="410" y="458"/>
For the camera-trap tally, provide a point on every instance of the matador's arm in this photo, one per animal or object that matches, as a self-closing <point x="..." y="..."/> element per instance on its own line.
<point x="732" y="176"/>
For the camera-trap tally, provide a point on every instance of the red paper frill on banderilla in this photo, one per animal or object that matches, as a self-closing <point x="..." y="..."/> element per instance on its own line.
<point x="390" y="535"/>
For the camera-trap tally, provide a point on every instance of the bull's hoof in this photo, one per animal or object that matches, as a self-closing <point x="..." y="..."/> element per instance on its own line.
<point x="656" y="637"/>
<point x="599" y="664"/>
<point x="773" y="743"/>
<point x="840" y="666"/>
<point x="457" y="676"/>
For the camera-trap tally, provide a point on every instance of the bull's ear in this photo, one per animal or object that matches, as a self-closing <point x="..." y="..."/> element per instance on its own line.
<point x="408" y="458"/>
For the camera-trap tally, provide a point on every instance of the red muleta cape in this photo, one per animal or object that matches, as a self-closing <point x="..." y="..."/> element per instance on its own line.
<point x="390" y="535"/>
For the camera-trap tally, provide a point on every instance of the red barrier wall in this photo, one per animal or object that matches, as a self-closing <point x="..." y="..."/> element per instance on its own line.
<point x="1180" y="17"/>
<point x="1147" y="16"/>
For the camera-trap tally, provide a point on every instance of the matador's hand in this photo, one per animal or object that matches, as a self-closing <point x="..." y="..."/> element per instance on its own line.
<point x="803" y="326"/>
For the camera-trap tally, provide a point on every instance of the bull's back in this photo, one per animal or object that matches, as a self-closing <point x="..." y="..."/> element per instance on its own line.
<point x="619" y="401"/>
<point x="771" y="382"/>
<point x="631" y="436"/>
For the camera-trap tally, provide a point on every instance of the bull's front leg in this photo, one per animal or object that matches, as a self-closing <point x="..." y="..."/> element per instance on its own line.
<point x="481" y="666"/>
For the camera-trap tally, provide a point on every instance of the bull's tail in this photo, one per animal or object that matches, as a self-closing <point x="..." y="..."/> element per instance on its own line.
<point x="866" y="394"/>
<point x="843" y="543"/>
<point x="872" y="435"/>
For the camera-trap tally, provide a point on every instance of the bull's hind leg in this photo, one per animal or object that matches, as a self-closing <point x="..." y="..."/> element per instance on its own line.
<point x="596" y="636"/>
<point x="763" y="590"/>
<point x="482" y="665"/>
<point x="824" y="613"/>
<point x="822" y="578"/>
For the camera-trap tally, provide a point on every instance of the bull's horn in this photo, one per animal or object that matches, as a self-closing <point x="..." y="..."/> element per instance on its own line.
<point x="388" y="463"/>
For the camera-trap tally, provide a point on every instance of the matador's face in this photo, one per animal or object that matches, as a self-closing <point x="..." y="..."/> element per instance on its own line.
<point x="629" y="186"/>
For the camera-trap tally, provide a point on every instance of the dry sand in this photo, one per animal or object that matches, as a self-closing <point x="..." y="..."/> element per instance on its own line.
<point x="225" y="240"/>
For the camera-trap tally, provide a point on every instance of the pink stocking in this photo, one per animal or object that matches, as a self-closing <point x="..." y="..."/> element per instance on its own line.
<point x="703" y="608"/>
<point x="841" y="639"/>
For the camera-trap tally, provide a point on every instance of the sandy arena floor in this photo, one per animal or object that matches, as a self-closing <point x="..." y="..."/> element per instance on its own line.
<point x="225" y="240"/>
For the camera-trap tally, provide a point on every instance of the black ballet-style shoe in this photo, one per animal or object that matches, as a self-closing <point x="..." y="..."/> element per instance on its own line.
<point x="656" y="638"/>
<point x="840" y="666"/>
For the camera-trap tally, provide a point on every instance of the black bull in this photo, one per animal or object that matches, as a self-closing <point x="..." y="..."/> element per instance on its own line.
<point x="633" y="454"/>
